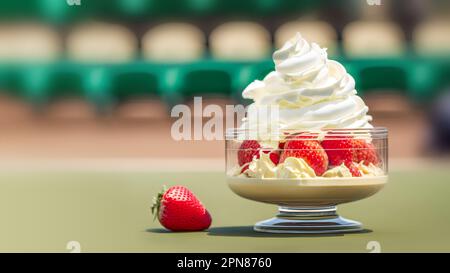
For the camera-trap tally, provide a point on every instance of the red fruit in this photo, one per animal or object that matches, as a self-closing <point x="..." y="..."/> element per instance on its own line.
<point x="244" y="168"/>
<point x="178" y="209"/>
<point x="343" y="150"/>
<point x="365" y="152"/>
<point x="310" y="151"/>
<point x="274" y="157"/>
<point x="303" y="135"/>
<point x="248" y="150"/>
<point x="353" y="169"/>
<point x="338" y="150"/>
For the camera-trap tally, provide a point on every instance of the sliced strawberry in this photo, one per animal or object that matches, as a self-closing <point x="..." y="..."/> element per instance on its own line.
<point x="244" y="168"/>
<point x="310" y="151"/>
<point x="353" y="168"/>
<point x="248" y="150"/>
<point x="274" y="157"/>
<point x="178" y="209"/>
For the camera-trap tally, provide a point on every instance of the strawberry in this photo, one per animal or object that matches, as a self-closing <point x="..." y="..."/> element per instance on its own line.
<point x="310" y="151"/>
<point x="274" y="157"/>
<point x="365" y="152"/>
<point x="346" y="149"/>
<point x="339" y="150"/>
<point x="353" y="168"/>
<point x="291" y="136"/>
<point x="244" y="168"/>
<point x="178" y="209"/>
<point x="248" y="150"/>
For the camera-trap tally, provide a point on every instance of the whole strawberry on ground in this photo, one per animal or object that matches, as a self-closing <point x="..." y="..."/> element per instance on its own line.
<point x="309" y="150"/>
<point x="178" y="209"/>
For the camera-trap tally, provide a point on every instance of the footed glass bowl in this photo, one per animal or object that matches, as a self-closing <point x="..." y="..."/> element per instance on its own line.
<point x="307" y="174"/>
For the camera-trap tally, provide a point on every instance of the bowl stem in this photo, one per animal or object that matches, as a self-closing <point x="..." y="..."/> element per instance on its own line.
<point x="308" y="220"/>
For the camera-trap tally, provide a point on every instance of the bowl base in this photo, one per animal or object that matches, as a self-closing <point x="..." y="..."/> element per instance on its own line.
<point x="308" y="220"/>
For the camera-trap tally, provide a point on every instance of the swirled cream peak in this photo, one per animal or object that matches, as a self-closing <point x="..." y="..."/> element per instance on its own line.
<point x="308" y="90"/>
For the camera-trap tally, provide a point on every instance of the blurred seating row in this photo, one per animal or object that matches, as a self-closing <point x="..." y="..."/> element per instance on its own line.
<point x="102" y="42"/>
<point x="105" y="63"/>
<point x="74" y="10"/>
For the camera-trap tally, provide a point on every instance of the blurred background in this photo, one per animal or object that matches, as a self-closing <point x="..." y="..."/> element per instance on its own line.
<point x="95" y="80"/>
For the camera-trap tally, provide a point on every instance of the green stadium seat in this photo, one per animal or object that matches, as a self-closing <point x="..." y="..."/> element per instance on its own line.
<point x="131" y="85"/>
<point x="394" y="78"/>
<point x="207" y="82"/>
<point x="35" y="85"/>
<point x="65" y="84"/>
<point x="97" y="87"/>
<point x="423" y="80"/>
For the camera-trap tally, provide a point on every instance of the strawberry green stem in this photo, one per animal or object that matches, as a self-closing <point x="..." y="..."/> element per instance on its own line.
<point x="157" y="202"/>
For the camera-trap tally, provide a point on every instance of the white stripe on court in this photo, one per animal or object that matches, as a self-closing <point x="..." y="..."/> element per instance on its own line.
<point x="170" y="164"/>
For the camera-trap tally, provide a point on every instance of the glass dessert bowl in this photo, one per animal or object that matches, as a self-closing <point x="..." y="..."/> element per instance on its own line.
<point x="307" y="174"/>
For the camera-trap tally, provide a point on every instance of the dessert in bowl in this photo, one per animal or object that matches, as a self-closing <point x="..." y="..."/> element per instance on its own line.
<point x="307" y="144"/>
<point x="306" y="180"/>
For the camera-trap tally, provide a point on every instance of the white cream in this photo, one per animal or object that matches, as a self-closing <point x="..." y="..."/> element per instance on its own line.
<point x="370" y="170"/>
<point x="293" y="167"/>
<point x="261" y="167"/>
<point x="338" y="171"/>
<point x="310" y="92"/>
<point x="237" y="171"/>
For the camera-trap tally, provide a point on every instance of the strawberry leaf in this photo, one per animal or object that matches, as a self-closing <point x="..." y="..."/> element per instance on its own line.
<point x="157" y="202"/>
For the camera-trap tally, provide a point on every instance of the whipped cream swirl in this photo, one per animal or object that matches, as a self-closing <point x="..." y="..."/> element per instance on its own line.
<point x="308" y="90"/>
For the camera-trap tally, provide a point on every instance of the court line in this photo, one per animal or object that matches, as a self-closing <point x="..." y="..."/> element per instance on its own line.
<point x="114" y="164"/>
<point x="168" y="164"/>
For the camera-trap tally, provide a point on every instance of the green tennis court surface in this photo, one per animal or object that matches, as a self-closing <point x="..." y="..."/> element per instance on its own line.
<point x="110" y="211"/>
